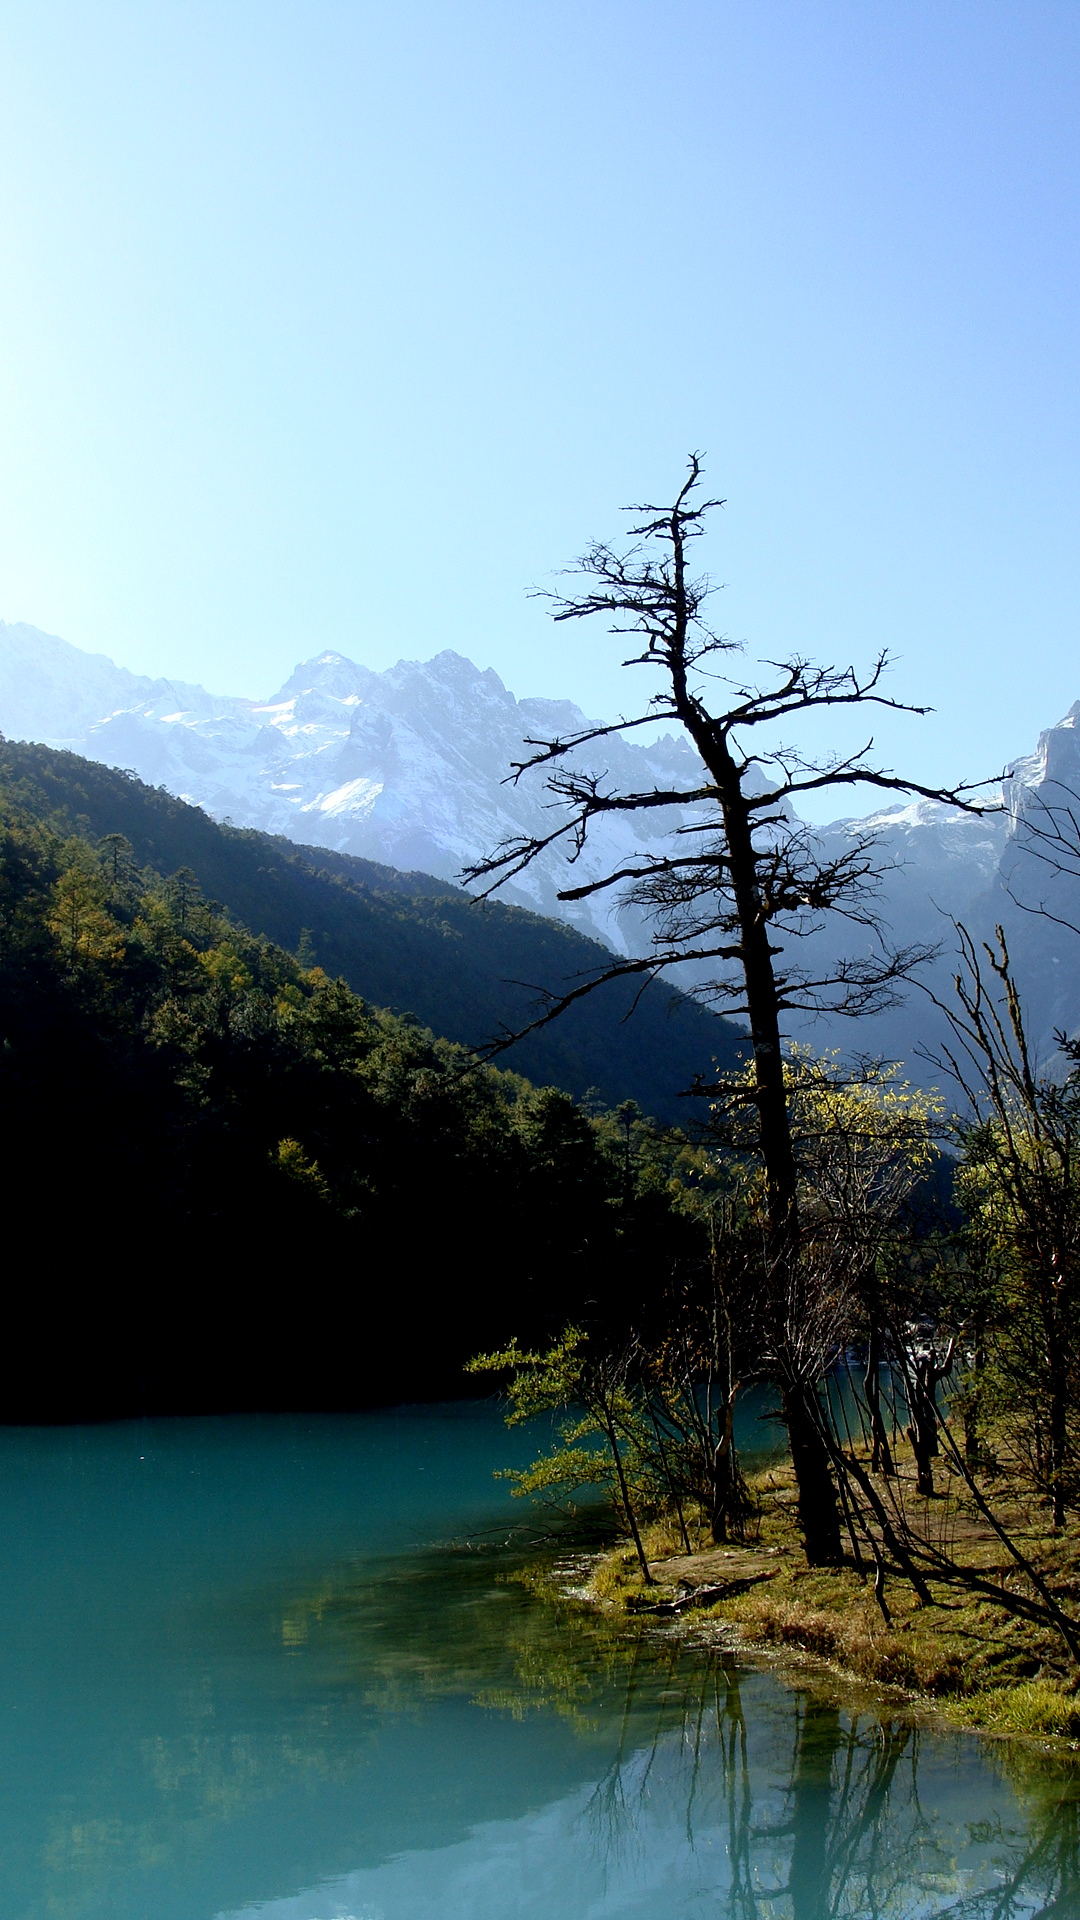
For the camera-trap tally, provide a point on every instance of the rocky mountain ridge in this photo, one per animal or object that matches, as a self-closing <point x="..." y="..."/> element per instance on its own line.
<point x="409" y="767"/>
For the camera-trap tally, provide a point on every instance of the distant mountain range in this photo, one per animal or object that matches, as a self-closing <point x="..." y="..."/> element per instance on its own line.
<point x="408" y="768"/>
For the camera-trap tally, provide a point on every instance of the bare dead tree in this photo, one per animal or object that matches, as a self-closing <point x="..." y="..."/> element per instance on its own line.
<point x="1026" y="1151"/>
<point x="922" y="1370"/>
<point x="743" y="879"/>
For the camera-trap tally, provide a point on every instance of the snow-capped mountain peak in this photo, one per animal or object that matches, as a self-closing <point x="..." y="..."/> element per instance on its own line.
<point x="408" y="766"/>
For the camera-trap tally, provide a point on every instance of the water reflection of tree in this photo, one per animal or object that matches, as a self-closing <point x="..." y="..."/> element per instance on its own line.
<point x="817" y="1817"/>
<point x="847" y="1852"/>
<point x="1039" y="1872"/>
<point x="850" y="1835"/>
<point x="623" y="1791"/>
<point x="830" y="1844"/>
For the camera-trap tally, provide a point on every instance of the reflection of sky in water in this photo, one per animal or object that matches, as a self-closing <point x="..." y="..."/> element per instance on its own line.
<point x="653" y="1840"/>
<point x="232" y="1668"/>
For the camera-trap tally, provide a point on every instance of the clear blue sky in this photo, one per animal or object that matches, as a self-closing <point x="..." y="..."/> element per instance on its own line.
<point x="341" y="325"/>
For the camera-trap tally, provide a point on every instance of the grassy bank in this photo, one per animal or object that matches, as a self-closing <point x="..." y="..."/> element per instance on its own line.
<point x="973" y="1653"/>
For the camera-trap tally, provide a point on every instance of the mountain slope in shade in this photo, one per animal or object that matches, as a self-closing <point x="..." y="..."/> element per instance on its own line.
<point x="404" y="941"/>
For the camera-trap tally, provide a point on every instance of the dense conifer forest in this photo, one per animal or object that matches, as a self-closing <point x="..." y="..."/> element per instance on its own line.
<point x="233" y="1181"/>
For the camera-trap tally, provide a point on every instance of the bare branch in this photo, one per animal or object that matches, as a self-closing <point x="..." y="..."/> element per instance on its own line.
<point x="888" y="783"/>
<point x="555" y="749"/>
<point x="711" y="863"/>
<point x="556" y="1004"/>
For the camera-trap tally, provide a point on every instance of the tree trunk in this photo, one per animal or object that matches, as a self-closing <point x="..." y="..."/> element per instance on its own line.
<point x="972" y="1444"/>
<point x="627" y="1503"/>
<point x="762" y="998"/>
<point x="881" y="1460"/>
<point x="819" y="1514"/>
<point x="922" y="1431"/>
<point x="1058" y="1429"/>
<point x="924" y="1468"/>
<point x="724" y="1478"/>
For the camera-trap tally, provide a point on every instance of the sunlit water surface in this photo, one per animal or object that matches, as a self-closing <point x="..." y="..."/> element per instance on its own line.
<point x="246" y="1673"/>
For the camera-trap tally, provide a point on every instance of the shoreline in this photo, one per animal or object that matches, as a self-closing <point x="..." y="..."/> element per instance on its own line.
<point x="962" y="1663"/>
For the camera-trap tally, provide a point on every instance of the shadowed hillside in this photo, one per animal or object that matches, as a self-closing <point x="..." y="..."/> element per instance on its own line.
<point x="404" y="941"/>
<point x="235" y="1183"/>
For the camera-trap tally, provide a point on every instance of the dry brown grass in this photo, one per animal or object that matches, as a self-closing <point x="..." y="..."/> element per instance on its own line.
<point x="977" y="1659"/>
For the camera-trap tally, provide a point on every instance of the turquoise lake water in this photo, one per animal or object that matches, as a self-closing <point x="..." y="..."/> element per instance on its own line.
<point x="283" y="1668"/>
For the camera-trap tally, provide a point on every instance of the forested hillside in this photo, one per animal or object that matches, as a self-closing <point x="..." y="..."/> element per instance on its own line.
<point x="231" y="1182"/>
<point x="405" y="941"/>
